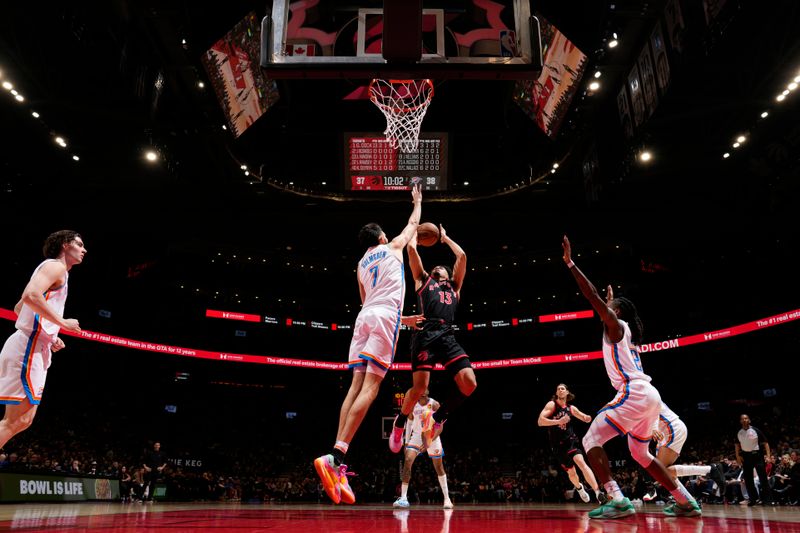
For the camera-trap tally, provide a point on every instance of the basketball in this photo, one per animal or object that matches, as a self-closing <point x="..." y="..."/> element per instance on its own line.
<point x="427" y="234"/>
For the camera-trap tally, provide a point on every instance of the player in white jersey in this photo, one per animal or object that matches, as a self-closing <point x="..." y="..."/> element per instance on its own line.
<point x="381" y="284"/>
<point x="26" y="354"/>
<point x="415" y="445"/>
<point x="634" y="410"/>
<point x="669" y="434"/>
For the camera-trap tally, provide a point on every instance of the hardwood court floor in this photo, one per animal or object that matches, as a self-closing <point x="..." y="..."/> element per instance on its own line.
<point x="219" y="517"/>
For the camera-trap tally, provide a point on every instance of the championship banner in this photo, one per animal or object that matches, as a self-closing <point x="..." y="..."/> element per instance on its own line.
<point x="637" y="98"/>
<point x="625" y="112"/>
<point x="662" y="61"/>
<point x="648" y="79"/>
<point x="675" y="25"/>
<point x="46" y="488"/>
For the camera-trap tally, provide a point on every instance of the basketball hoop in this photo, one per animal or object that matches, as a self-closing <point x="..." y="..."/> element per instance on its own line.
<point x="404" y="104"/>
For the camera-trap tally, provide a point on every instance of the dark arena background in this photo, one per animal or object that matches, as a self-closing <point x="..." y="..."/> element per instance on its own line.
<point x="211" y="164"/>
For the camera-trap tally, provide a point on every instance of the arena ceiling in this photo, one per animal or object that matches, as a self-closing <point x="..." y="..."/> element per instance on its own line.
<point x="117" y="78"/>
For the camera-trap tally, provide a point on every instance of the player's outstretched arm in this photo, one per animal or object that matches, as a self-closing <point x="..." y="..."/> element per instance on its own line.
<point x="580" y="415"/>
<point x="607" y="315"/>
<point x="415" y="262"/>
<point x="412" y="321"/>
<point x="399" y="242"/>
<point x="460" y="266"/>
<point x="51" y="274"/>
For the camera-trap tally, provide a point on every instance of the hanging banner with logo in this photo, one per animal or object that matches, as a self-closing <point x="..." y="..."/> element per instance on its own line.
<point x="661" y="59"/>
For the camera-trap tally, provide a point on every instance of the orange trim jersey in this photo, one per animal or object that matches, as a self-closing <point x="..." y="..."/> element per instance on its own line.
<point x="382" y="276"/>
<point x="622" y="361"/>
<point x="38" y="328"/>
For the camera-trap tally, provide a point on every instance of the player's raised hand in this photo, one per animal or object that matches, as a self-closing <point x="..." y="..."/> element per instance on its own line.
<point x="567" y="250"/>
<point x="416" y="193"/>
<point x="609" y="294"/>
<point x="442" y="233"/>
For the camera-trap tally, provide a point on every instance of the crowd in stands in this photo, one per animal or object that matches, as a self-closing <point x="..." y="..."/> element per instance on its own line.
<point x="515" y="473"/>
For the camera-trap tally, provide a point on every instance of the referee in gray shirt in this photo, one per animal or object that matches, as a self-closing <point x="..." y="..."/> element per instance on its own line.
<point x="751" y="455"/>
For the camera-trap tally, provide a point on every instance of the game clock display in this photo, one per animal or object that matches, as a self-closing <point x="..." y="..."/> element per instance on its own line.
<point x="373" y="165"/>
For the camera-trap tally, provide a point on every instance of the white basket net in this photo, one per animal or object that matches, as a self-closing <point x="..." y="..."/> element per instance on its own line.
<point x="404" y="104"/>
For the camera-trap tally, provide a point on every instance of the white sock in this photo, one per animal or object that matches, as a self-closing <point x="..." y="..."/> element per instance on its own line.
<point x="691" y="470"/>
<point x="342" y="446"/>
<point x="612" y="489"/>
<point x="404" y="490"/>
<point x="443" y="484"/>
<point x="680" y="494"/>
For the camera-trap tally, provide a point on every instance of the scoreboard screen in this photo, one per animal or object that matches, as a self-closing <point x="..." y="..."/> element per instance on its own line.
<point x="372" y="165"/>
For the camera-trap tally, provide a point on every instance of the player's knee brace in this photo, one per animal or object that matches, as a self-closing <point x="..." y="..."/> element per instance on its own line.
<point x="640" y="451"/>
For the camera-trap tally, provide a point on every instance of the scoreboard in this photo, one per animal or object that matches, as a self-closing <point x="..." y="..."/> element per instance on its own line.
<point x="372" y="165"/>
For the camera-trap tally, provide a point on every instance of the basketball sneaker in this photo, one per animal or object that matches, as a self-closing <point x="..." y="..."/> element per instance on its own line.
<point x="613" y="509"/>
<point x="347" y="494"/>
<point x="430" y="436"/>
<point x="430" y="427"/>
<point x="583" y="494"/>
<point x="396" y="438"/>
<point x="690" y="508"/>
<point x="329" y="476"/>
<point x="401" y="502"/>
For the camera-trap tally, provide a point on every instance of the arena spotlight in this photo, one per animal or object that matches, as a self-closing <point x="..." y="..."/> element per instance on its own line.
<point x="597" y="73"/>
<point x="780" y="97"/>
<point x="200" y="84"/>
<point x="645" y="156"/>
<point x="19" y="98"/>
<point x="151" y="156"/>
<point x="76" y="158"/>
<point x="765" y="114"/>
<point x="34" y="114"/>
<point x="736" y="145"/>
<point x="7" y="86"/>
<point x="726" y="155"/>
<point x="740" y="139"/>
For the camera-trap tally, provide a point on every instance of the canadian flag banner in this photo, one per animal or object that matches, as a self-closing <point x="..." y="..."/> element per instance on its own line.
<point x="301" y="50"/>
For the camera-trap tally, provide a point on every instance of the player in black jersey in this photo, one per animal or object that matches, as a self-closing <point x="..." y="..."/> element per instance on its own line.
<point x="438" y="294"/>
<point x="557" y="416"/>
